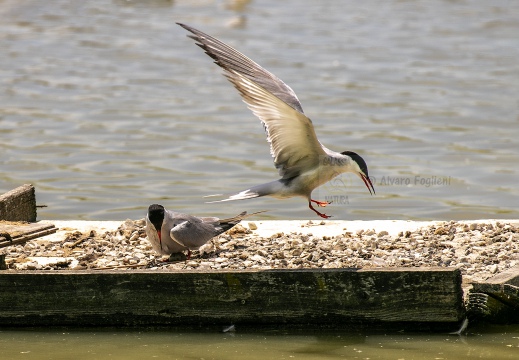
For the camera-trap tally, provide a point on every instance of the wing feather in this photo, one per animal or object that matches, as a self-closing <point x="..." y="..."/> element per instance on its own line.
<point x="191" y="232"/>
<point x="293" y="142"/>
<point x="231" y="59"/>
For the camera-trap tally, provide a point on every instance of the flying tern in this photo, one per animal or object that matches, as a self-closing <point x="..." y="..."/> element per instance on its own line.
<point x="302" y="161"/>
<point x="171" y="232"/>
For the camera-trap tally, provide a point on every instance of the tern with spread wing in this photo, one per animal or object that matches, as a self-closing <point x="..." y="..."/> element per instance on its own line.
<point x="170" y="232"/>
<point x="302" y="161"/>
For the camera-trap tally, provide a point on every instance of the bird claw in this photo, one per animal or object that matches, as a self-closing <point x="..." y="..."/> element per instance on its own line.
<point x="324" y="216"/>
<point x="321" y="203"/>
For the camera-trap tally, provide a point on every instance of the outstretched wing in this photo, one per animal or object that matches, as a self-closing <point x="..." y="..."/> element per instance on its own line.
<point x="293" y="142"/>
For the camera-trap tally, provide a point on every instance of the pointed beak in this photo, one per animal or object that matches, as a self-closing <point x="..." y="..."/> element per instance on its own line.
<point x="160" y="238"/>
<point x="368" y="183"/>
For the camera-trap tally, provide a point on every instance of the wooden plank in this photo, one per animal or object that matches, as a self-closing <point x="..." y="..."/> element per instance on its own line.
<point x="19" y="204"/>
<point x="496" y="300"/>
<point x="496" y="284"/>
<point x="12" y="233"/>
<point x="411" y="298"/>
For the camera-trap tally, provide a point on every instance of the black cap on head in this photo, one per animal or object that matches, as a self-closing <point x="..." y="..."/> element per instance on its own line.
<point x="363" y="167"/>
<point x="359" y="160"/>
<point x="156" y="215"/>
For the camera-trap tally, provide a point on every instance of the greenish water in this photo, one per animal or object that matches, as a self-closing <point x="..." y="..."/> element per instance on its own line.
<point x="489" y="342"/>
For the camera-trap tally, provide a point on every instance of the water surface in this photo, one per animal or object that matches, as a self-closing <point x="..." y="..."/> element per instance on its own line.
<point x="493" y="343"/>
<point x="107" y="107"/>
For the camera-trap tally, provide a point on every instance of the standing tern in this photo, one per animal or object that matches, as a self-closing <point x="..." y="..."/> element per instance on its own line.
<point x="170" y="232"/>
<point x="302" y="161"/>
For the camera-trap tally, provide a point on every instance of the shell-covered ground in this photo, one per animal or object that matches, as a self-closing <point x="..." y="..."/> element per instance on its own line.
<point x="479" y="250"/>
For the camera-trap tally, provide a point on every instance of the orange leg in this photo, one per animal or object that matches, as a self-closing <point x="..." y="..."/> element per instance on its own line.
<point x="324" y="216"/>
<point x="321" y="203"/>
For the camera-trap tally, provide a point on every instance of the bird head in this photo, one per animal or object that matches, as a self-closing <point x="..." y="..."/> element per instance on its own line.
<point x="360" y="168"/>
<point x="156" y="217"/>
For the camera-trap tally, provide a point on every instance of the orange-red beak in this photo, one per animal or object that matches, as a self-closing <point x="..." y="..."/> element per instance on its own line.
<point x="368" y="183"/>
<point x="160" y="238"/>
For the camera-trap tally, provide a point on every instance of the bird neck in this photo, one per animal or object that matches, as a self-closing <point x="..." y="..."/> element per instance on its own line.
<point x="338" y="162"/>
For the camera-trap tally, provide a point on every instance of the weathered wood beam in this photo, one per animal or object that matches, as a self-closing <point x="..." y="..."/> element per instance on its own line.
<point x="19" y="204"/>
<point x="410" y="298"/>
<point x="13" y="233"/>
<point x="496" y="300"/>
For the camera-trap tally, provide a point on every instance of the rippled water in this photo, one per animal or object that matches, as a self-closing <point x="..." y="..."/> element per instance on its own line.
<point x="495" y="343"/>
<point x="107" y="107"/>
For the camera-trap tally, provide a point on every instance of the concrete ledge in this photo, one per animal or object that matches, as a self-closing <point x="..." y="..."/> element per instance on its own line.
<point x="267" y="228"/>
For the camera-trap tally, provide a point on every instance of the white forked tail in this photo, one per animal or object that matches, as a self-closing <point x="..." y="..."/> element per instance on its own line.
<point x="270" y="188"/>
<point x="245" y="194"/>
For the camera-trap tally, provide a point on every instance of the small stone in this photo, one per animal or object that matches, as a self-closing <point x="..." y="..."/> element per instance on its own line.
<point x="207" y="248"/>
<point x="279" y="255"/>
<point x="134" y="236"/>
<point x="140" y="222"/>
<point x="473" y="226"/>
<point x="441" y="231"/>
<point x="325" y="247"/>
<point x="263" y="253"/>
<point x="257" y="258"/>
<point x="315" y="256"/>
<point x="253" y="226"/>
<point x="238" y="230"/>
<point x="296" y="252"/>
